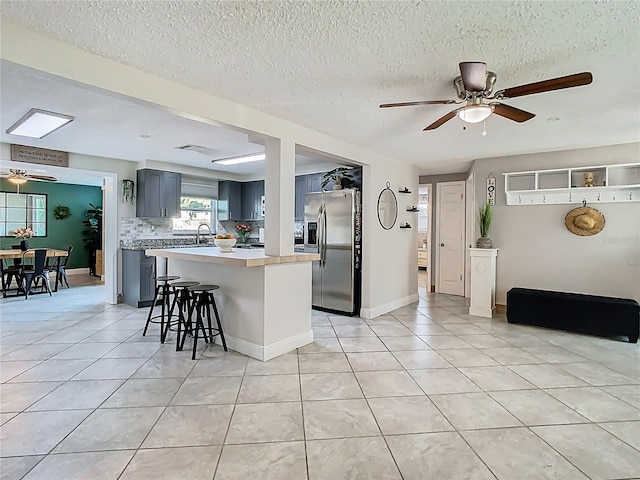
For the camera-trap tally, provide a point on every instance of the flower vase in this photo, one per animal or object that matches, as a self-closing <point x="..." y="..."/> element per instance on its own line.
<point x="24" y="245"/>
<point x="242" y="238"/>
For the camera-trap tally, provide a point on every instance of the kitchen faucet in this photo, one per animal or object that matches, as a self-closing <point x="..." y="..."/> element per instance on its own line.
<point x="198" y="233"/>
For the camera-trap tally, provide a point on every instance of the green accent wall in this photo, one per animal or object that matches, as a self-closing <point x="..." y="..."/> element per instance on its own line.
<point x="60" y="233"/>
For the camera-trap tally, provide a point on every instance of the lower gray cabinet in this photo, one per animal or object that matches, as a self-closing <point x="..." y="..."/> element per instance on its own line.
<point x="138" y="273"/>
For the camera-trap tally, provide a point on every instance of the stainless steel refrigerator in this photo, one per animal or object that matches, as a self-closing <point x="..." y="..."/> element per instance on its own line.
<point x="333" y="230"/>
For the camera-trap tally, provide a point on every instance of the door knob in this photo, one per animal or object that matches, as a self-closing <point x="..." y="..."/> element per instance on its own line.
<point x="442" y="244"/>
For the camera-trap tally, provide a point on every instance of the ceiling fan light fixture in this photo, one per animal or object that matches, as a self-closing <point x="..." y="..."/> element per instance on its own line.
<point x="475" y="113"/>
<point x="16" y="180"/>
<point x="39" y="123"/>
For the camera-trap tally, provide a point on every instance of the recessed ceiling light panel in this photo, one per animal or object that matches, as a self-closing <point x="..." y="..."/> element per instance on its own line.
<point x="237" y="160"/>
<point x="39" y="123"/>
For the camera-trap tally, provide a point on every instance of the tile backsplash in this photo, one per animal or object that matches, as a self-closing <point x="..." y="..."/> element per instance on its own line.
<point x="132" y="228"/>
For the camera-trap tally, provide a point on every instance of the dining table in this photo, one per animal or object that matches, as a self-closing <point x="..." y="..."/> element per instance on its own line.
<point x="18" y="254"/>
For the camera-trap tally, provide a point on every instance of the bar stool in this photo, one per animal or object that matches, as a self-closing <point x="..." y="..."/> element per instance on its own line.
<point x="182" y="299"/>
<point x="163" y="293"/>
<point x="201" y="302"/>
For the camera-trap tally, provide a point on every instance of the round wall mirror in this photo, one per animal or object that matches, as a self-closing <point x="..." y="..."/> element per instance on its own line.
<point x="387" y="208"/>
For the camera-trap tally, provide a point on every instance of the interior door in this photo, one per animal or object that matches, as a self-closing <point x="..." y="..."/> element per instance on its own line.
<point x="451" y="238"/>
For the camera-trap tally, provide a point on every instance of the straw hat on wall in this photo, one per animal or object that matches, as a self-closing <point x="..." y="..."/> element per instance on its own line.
<point x="584" y="221"/>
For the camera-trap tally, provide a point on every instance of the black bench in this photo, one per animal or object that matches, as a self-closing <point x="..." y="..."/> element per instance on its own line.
<point x="603" y="316"/>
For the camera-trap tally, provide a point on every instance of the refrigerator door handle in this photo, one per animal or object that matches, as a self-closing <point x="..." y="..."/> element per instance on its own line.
<point x="319" y="233"/>
<point x="324" y="235"/>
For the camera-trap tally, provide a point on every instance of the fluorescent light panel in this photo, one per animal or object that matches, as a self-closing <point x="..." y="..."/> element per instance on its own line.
<point x="39" y="123"/>
<point x="237" y="160"/>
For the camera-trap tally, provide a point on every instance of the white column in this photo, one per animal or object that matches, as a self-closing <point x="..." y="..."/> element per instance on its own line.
<point x="279" y="191"/>
<point x="483" y="281"/>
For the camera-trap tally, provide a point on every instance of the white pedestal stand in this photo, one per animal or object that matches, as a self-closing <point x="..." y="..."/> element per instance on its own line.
<point x="483" y="282"/>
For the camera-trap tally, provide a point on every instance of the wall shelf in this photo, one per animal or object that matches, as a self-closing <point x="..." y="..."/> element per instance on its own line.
<point x="406" y="225"/>
<point x="413" y="209"/>
<point x="612" y="183"/>
<point x="406" y="190"/>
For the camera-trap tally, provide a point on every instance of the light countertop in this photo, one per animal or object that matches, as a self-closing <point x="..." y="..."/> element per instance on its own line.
<point x="240" y="257"/>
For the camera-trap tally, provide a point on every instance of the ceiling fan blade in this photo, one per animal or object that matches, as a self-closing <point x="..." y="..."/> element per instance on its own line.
<point x="512" y="113"/>
<point x="42" y="177"/>
<point x="442" y="120"/>
<point x="474" y="76"/>
<point x="575" y="80"/>
<point x="423" y="102"/>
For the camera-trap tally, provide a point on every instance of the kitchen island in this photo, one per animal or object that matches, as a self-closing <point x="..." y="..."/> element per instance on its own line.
<point x="264" y="301"/>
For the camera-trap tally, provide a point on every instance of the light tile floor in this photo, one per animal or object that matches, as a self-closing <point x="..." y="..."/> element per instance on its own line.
<point x="425" y="392"/>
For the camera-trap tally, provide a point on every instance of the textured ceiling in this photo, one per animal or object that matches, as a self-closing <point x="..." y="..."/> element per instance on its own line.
<point x="328" y="64"/>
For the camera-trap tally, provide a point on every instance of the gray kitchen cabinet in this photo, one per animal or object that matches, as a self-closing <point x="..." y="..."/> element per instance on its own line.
<point x="229" y="200"/>
<point x="313" y="182"/>
<point x="138" y="273"/>
<point x="158" y="194"/>
<point x="252" y="193"/>
<point x="249" y="207"/>
<point x="259" y="195"/>
<point x="301" y="190"/>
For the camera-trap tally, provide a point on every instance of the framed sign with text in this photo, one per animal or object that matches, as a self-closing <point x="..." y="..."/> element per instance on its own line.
<point x="41" y="156"/>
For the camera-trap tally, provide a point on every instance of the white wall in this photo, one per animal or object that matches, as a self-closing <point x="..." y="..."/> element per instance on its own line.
<point x="537" y="250"/>
<point x="390" y="257"/>
<point x="390" y="273"/>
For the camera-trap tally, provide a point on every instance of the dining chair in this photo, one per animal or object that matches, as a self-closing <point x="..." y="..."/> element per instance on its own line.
<point x="32" y="272"/>
<point x="63" y="265"/>
<point x="11" y="268"/>
<point x="59" y="269"/>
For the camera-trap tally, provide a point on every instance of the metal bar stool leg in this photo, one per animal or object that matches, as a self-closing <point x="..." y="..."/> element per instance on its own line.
<point x="153" y="304"/>
<point x="215" y="311"/>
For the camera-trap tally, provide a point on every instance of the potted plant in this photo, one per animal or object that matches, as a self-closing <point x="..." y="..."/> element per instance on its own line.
<point x="340" y="177"/>
<point x="484" y="220"/>
<point x="22" y="233"/>
<point x="93" y="235"/>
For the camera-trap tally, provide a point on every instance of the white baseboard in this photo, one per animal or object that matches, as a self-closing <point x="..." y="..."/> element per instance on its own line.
<point x="267" y="352"/>
<point x="287" y="345"/>
<point x="77" y="271"/>
<point x="368" y="313"/>
<point x="482" y="312"/>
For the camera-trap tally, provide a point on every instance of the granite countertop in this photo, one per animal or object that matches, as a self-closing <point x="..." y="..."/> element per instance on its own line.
<point x="240" y="257"/>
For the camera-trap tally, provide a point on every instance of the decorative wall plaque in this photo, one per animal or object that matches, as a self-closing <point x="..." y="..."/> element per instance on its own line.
<point x="41" y="156"/>
<point x="491" y="190"/>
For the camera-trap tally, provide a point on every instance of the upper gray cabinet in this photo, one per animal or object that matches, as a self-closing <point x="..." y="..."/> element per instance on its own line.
<point x="313" y="182"/>
<point x="158" y="194"/>
<point x="229" y="200"/>
<point x="240" y="200"/>
<point x="301" y="190"/>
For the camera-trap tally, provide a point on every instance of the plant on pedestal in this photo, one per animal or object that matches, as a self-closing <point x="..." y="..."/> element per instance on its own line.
<point x="484" y="220"/>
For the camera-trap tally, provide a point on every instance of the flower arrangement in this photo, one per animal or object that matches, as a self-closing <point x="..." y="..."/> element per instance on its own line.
<point x="22" y="232"/>
<point x="243" y="232"/>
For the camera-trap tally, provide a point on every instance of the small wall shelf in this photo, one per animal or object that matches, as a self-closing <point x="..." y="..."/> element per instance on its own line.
<point x="612" y="183"/>
<point x="413" y="209"/>
<point x="406" y="225"/>
<point x="406" y="190"/>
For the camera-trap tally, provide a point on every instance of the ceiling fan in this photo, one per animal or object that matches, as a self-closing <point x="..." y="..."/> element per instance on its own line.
<point x="20" y="177"/>
<point x="474" y="87"/>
